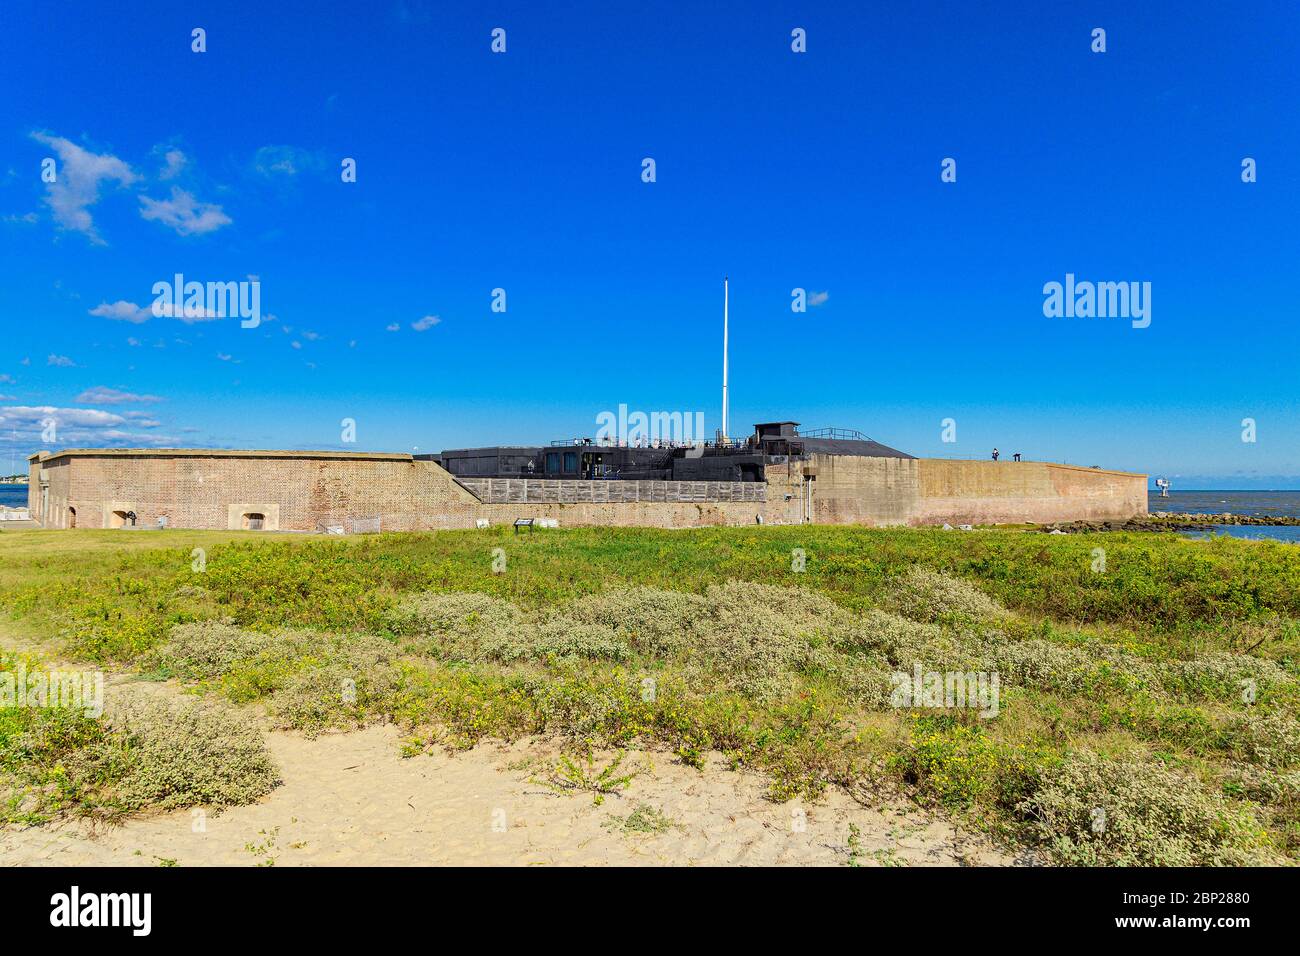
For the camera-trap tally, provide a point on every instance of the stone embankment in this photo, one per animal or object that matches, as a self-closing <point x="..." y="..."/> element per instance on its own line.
<point x="1172" y="521"/>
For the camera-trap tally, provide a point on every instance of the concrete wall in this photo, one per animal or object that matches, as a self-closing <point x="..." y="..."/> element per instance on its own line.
<point x="927" y="491"/>
<point x="510" y="491"/>
<point x="992" y="492"/>
<point x="297" y="491"/>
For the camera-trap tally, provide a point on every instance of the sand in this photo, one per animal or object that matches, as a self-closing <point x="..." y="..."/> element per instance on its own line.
<point x="352" y="799"/>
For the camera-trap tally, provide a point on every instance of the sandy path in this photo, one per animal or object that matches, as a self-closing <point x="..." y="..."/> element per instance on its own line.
<point x="350" y="799"/>
<point x="353" y="800"/>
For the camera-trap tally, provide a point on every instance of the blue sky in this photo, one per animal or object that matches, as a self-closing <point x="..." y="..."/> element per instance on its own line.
<point x="522" y="171"/>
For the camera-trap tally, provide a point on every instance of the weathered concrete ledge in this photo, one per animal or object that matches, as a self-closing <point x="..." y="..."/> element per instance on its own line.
<point x="510" y="491"/>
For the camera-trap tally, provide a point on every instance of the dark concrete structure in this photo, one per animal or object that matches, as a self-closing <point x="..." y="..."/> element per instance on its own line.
<point x="736" y="460"/>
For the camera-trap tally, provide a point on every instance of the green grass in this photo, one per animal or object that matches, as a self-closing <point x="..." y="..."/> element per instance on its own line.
<point x="706" y="641"/>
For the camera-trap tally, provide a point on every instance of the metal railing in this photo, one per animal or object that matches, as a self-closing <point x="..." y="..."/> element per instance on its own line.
<point x="842" y="434"/>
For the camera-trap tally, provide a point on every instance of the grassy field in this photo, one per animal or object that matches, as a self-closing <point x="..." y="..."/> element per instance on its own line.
<point x="1148" y="684"/>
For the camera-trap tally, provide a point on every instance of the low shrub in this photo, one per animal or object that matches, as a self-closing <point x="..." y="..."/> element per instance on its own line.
<point x="1098" y="812"/>
<point x="179" y="753"/>
<point x="1268" y="739"/>
<point x="925" y="595"/>
<point x="654" y="622"/>
<point x="206" y="650"/>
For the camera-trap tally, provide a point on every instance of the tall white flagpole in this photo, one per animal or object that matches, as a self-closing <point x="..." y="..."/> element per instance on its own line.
<point x="724" y="358"/>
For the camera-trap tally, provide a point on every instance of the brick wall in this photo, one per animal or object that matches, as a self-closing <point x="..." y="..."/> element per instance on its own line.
<point x="217" y="491"/>
<point x="299" y="491"/>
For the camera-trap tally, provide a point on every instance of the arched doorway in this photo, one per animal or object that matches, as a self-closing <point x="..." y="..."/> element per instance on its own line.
<point x="72" y="517"/>
<point x="254" y="520"/>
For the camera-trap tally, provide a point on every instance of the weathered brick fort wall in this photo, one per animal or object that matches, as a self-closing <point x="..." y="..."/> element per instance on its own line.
<point x="300" y="491"/>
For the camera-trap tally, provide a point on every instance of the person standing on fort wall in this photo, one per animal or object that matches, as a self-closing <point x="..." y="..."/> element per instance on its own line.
<point x="995" y="454"/>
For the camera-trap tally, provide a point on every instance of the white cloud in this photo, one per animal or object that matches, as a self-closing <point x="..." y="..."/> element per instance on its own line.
<point x="28" y="415"/>
<point x="184" y="213"/>
<point x="123" y="311"/>
<point x="188" y="315"/>
<point x="394" y="327"/>
<point x="79" y="174"/>
<point x="273" y="161"/>
<point x="175" y="161"/>
<point x="428" y="322"/>
<point x="818" y="298"/>
<point x="82" y="426"/>
<point x="60" y="360"/>
<point x="130" y="312"/>
<point x="103" y="395"/>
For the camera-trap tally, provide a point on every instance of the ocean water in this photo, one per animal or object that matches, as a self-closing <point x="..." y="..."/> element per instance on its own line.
<point x="15" y="496"/>
<point x="1279" y="503"/>
<point x="1283" y="503"/>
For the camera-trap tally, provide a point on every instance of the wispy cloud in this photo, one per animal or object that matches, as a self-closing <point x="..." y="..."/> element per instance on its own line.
<point x="274" y="161"/>
<point x="61" y="361"/>
<point x="79" y="174"/>
<point x="130" y="312"/>
<point x="34" y="414"/>
<point x="818" y="298"/>
<point x="174" y="161"/>
<point x="428" y="322"/>
<point x="183" y="213"/>
<point x="123" y="311"/>
<point x="103" y="395"/>
<point x="92" y="426"/>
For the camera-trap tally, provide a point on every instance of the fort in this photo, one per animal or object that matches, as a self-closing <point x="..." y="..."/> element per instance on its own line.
<point x="778" y="475"/>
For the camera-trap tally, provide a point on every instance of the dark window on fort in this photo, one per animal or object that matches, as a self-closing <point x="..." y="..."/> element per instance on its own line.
<point x="552" y="462"/>
<point x="570" y="462"/>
